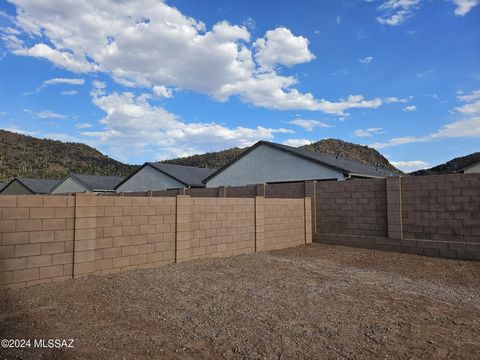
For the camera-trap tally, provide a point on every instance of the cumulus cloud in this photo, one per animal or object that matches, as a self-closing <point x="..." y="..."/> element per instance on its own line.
<point x="281" y="47"/>
<point x="367" y="132"/>
<point x="132" y="124"/>
<point x="395" y="12"/>
<point x="147" y="43"/>
<point x="309" y="125"/>
<point x="410" y="108"/>
<point x="366" y="60"/>
<point x="463" y="7"/>
<point x="408" y="166"/>
<point x="297" y="142"/>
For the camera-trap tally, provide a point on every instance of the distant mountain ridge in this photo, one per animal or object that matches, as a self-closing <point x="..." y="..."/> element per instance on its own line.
<point x="27" y="156"/>
<point x="335" y="147"/>
<point x="451" y="166"/>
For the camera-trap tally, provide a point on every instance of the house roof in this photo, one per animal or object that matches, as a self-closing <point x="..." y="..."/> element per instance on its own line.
<point x="2" y="185"/>
<point x="98" y="182"/>
<point x="37" y="186"/>
<point x="190" y="176"/>
<point x="346" y="166"/>
<point x="468" y="167"/>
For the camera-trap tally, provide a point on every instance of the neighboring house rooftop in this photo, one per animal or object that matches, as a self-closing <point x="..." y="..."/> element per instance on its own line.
<point x="468" y="167"/>
<point x="37" y="186"/>
<point x="347" y="166"/>
<point x="190" y="176"/>
<point x="95" y="182"/>
<point x="2" y="185"/>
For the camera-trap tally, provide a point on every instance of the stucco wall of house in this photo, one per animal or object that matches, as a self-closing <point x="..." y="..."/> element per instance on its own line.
<point x="15" y="188"/>
<point x="473" y="169"/>
<point x="147" y="179"/>
<point x="266" y="164"/>
<point x="70" y="185"/>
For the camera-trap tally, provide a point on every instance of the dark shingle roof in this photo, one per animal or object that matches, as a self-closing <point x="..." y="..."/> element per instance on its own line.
<point x="341" y="164"/>
<point x="2" y="185"/>
<point x="346" y="165"/>
<point x="38" y="186"/>
<point x="98" y="182"/>
<point x="188" y="175"/>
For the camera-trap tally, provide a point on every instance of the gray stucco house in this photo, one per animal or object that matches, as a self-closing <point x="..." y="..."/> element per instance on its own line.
<point x="27" y="186"/>
<point x="77" y="183"/>
<point x="266" y="162"/>
<point x="158" y="176"/>
<point x="472" y="168"/>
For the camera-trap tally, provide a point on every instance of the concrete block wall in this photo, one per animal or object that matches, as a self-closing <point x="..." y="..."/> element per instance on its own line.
<point x="47" y="238"/>
<point x="284" y="224"/>
<point x="122" y="233"/>
<point x="357" y="207"/>
<point x="425" y="215"/>
<point x="36" y="239"/>
<point x="215" y="227"/>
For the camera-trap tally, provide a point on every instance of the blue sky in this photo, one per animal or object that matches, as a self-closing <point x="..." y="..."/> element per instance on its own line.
<point x="147" y="80"/>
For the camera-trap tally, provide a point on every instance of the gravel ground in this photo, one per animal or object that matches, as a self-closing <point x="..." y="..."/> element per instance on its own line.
<point x="311" y="302"/>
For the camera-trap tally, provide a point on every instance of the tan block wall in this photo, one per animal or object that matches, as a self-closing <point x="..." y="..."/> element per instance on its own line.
<point x="36" y="239"/>
<point x="215" y="227"/>
<point x="121" y="233"/>
<point x="46" y="238"/>
<point x="284" y="222"/>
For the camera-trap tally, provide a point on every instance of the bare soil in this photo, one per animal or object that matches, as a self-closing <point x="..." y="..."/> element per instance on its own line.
<point x="311" y="302"/>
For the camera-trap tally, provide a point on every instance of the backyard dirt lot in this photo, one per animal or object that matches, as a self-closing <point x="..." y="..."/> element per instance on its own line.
<point x="311" y="302"/>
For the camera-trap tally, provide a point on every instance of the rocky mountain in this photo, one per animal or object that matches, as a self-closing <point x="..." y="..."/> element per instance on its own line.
<point x="27" y="156"/>
<point x="451" y="166"/>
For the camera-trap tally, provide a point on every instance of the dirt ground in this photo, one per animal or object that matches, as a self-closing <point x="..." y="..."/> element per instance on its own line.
<point x="312" y="302"/>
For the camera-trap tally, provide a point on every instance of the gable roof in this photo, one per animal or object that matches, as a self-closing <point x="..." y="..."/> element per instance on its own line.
<point x="190" y="176"/>
<point x="341" y="164"/>
<point x="37" y="186"/>
<point x="94" y="182"/>
<point x="468" y="167"/>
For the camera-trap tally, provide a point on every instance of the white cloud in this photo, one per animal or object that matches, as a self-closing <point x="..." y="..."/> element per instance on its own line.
<point x="472" y="103"/>
<point x="57" y="81"/>
<point x="147" y="43"/>
<point x="132" y="125"/>
<point x="396" y="141"/>
<point x="367" y="132"/>
<point x="83" y="126"/>
<point x="297" y="142"/>
<point x="408" y="166"/>
<point x="309" y="125"/>
<point x="394" y="99"/>
<point x="396" y="12"/>
<point x="366" y="60"/>
<point x="68" y="92"/>
<point x="281" y="47"/>
<point x="338" y="19"/>
<point x="410" y="108"/>
<point x="461" y="128"/>
<point x="47" y="114"/>
<point x="60" y="58"/>
<point x="468" y="127"/>
<point x="464" y="6"/>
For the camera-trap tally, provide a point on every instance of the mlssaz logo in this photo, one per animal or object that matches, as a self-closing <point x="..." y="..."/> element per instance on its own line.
<point x="53" y="343"/>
